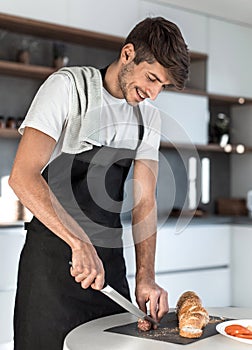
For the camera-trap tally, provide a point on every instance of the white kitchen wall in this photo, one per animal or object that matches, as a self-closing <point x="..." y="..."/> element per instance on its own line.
<point x="192" y="25"/>
<point x="229" y="61"/>
<point x="234" y="10"/>
<point x="113" y="17"/>
<point x="110" y="16"/>
<point x="47" y="10"/>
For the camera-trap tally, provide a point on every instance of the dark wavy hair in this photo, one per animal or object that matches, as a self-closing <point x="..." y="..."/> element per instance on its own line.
<point x="161" y="40"/>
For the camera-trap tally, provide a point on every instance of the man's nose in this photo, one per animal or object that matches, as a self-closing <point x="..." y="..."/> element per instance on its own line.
<point x="153" y="92"/>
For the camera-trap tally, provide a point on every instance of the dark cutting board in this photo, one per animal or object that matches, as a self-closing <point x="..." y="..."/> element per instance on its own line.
<point x="168" y="330"/>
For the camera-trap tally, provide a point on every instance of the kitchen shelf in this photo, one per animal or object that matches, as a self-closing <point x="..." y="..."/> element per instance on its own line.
<point x="229" y="100"/>
<point x="215" y="99"/>
<point x="24" y="70"/>
<point x="207" y="148"/>
<point x="68" y="34"/>
<point x="72" y="35"/>
<point x="13" y="133"/>
<point x="9" y="133"/>
<point x="59" y="32"/>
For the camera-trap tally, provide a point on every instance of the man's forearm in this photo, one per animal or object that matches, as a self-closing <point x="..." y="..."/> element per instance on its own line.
<point x="144" y="233"/>
<point x="36" y="195"/>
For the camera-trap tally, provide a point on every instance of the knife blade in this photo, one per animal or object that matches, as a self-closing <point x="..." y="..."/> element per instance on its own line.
<point x="126" y="304"/>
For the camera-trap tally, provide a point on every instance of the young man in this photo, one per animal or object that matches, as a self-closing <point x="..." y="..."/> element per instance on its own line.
<point x="80" y="136"/>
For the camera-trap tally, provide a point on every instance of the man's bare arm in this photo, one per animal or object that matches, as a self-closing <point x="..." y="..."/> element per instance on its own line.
<point x="144" y="232"/>
<point x="33" y="154"/>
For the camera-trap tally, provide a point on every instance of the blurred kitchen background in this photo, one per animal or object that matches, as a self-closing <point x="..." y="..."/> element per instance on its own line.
<point x="205" y="179"/>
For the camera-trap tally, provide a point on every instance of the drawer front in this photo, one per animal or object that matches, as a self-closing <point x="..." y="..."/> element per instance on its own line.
<point x="195" y="247"/>
<point x="241" y="266"/>
<point x="213" y="286"/>
<point x="203" y="283"/>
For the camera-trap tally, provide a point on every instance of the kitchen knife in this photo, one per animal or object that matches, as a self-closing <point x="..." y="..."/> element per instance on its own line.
<point x="126" y="304"/>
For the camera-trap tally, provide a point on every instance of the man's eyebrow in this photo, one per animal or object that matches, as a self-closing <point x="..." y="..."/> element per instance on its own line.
<point x="156" y="77"/>
<point x="166" y="86"/>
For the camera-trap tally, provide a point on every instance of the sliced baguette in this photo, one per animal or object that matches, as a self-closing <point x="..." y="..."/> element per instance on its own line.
<point x="192" y="316"/>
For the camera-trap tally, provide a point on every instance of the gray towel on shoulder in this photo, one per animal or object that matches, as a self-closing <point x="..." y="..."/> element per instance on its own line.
<point x="82" y="129"/>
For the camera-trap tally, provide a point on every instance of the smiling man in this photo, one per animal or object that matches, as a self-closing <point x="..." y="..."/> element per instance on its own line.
<point x="83" y="131"/>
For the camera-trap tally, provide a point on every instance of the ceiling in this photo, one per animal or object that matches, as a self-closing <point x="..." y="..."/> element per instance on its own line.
<point x="234" y="10"/>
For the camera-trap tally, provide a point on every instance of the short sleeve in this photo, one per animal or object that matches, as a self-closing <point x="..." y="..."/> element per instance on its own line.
<point x="149" y="146"/>
<point x="50" y="106"/>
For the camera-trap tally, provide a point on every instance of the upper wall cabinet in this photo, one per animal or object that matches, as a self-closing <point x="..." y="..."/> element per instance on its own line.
<point x="229" y="62"/>
<point x="192" y="25"/>
<point x="184" y="117"/>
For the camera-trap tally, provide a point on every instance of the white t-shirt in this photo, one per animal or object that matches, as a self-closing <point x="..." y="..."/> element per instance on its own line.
<point x="50" y="109"/>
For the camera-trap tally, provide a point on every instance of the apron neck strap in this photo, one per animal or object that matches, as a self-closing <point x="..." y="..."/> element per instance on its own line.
<point x="137" y="112"/>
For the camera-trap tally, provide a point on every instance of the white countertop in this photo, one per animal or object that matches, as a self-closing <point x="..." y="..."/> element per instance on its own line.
<point x="91" y="335"/>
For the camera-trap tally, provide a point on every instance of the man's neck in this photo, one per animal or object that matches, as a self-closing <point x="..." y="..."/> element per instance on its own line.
<point x="111" y="80"/>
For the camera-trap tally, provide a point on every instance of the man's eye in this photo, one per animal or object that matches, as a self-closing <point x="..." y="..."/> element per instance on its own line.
<point x="151" y="79"/>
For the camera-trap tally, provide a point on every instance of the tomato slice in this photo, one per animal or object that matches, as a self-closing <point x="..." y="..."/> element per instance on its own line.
<point x="247" y="336"/>
<point x="237" y="330"/>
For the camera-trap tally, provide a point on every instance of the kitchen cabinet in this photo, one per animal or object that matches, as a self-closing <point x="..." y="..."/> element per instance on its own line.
<point x="202" y="282"/>
<point x="7" y="301"/>
<point x="11" y="243"/>
<point x="229" y="67"/>
<point x="185" y="117"/>
<point x="241" y="258"/>
<point x="194" y="258"/>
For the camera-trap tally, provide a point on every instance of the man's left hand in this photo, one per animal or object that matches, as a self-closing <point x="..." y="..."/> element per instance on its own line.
<point x="149" y="291"/>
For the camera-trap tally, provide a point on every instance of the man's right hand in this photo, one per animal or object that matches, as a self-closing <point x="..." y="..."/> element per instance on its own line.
<point x="87" y="267"/>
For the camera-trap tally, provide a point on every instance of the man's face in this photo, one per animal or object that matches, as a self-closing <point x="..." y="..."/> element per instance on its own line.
<point x="141" y="81"/>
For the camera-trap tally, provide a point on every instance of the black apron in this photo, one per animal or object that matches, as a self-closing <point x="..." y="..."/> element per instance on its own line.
<point x="49" y="303"/>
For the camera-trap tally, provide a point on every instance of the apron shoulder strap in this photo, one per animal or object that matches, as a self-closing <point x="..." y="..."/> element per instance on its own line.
<point x="138" y="113"/>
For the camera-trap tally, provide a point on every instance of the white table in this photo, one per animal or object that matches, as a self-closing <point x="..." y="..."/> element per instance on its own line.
<point x="91" y="335"/>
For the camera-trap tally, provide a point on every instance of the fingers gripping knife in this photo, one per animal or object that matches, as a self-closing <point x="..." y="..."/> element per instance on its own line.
<point x="126" y="304"/>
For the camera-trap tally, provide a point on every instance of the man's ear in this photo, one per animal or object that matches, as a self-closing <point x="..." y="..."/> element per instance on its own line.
<point x="127" y="53"/>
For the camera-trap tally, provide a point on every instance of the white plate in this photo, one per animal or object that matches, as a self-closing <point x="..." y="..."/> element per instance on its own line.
<point x="221" y="329"/>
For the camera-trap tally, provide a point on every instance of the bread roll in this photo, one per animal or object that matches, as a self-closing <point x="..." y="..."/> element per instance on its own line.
<point x="192" y="316"/>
